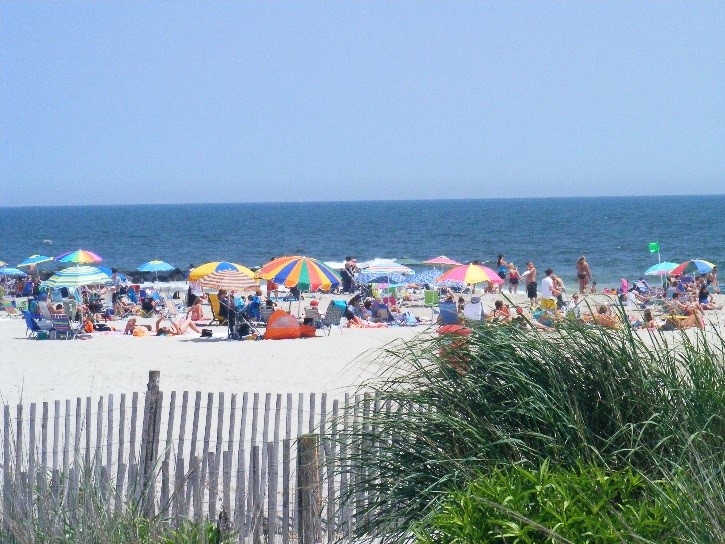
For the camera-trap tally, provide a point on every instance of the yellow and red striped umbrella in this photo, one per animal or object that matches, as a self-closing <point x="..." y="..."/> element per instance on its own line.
<point x="470" y="273"/>
<point x="231" y="280"/>
<point x="305" y="273"/>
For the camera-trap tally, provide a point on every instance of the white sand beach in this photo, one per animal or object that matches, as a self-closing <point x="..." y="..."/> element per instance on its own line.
<point x="47" y="370"/>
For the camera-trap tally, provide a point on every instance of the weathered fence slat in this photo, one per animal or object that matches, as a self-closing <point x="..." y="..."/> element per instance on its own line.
<point x="240" y="492"/>
<point x="120" y="473"/>
<point x="192" y="448"/>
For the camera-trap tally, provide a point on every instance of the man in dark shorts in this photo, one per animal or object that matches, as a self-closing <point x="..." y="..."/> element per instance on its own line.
<point x="530" y="277"/>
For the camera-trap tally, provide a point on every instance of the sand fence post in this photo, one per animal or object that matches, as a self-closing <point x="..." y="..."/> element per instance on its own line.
<point x="309" y="490"/>
<point x="150" y="436"/>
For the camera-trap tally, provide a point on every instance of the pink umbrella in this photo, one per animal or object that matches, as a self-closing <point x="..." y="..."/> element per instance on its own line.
<point x="443" y="261"/>
<point x="470" y="273"/>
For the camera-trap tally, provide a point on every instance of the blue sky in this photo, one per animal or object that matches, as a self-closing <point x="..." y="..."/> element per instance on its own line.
<point x="132" y="102"/>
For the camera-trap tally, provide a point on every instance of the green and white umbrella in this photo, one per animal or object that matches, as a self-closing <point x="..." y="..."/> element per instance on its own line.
<point x="77" y="276"/>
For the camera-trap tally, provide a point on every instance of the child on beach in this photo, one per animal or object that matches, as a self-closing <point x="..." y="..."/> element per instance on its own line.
<point x="513" y="279"/>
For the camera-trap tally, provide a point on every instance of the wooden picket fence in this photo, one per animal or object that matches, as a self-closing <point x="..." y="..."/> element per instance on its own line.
<point x="235" y="458"/>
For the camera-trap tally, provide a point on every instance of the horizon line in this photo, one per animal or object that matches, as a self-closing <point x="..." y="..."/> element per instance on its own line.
<point x="524" y="198"/>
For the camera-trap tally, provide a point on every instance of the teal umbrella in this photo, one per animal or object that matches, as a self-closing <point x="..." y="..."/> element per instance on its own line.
<point x="11" y="272"/>
<point x="156" y="266"/>
<point x="35" y="259"/>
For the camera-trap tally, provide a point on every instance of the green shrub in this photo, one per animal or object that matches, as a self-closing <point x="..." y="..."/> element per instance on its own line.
<point x="575" y="396"/>
<point x="586" y="505"/>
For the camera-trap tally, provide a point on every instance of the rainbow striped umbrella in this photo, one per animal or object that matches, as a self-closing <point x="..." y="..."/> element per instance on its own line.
<point x="470" y="273"/>
<point x="79" y="256"/>
<point x="231" y="280"/>
<point x="217" y="266"/>
<point x="305" y="273"/>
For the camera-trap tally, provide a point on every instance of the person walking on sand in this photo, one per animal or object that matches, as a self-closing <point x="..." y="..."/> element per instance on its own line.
<point x="549" y="291"/>
<point x="530" y="278"/>
<point x="513" y="279"/>
<point x="583" y="274"/>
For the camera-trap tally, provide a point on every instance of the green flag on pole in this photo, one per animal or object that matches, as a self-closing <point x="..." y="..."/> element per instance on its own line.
<point x="654" y="247"/>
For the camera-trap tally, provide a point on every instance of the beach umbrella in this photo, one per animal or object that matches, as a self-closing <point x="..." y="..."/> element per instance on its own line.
<point x="108" y="272"/>
<point x="305" y="273"/>
<point x="427" y="276"/>
<point x="35" y="259"/>
<point x="156" y="267"/>
<point x="382" y="278"/>
<point x="385" y="266"/>
<point x="407" y="261"/>
<point x="470" y="273"/>
<point x="698" y="266"/>
<point x="217" y="266"/>
<point x="76" y="276"/>
<point x="11" y="272"/>
<point x="231" y="280"/>
<point x="660" y="269"/>
<point x="442" y="260"/>
<point x="79" y="256"/>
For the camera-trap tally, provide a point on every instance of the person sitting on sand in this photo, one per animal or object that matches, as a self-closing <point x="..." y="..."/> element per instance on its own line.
<point x="501" y="311"/>
<point x="131" y="327"/>
<point x="684" y="308"/>
<point x="603" y="318"/>
<point x="650" y="322"/>
<point x="704" y="298"/>
<point x="196" y="311"/>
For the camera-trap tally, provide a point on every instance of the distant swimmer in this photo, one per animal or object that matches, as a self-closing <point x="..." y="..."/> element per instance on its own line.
<point x="48" y="242"/>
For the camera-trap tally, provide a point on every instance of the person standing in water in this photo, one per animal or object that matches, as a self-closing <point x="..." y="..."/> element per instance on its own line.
<point x="502" y="267"/>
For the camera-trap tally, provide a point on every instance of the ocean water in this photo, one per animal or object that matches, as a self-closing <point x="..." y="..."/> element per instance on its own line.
<point x="612" y="232"/>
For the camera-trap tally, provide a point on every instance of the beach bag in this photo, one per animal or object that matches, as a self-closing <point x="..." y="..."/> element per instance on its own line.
<point x="206" y="333"/>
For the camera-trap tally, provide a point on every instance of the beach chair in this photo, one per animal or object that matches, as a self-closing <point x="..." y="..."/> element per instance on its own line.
<point x="313" y="313"/>
<point x="448" y="313"/>
<point x="214" y="305"/>
<point x="264" y="314"/>
<point x="11" y="310"/>
<point x="31" y="326"/>
<point x="62" y="326"/>
<point x="473" y="311"/>
<point x="382" y="313"/>
<point x="430" y="298"/>
<point x="332" y="318"/>
<point x="132" y="295"/>
<point x="172" y="312"/>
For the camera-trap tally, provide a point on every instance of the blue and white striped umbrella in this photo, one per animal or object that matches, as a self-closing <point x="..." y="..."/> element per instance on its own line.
<point x="381" y="278"/>
<point x="77" y="276"/>
<point x="427" y="276"/>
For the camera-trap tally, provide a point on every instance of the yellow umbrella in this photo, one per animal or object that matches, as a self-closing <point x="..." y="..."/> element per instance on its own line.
<point x="217" y="266"/>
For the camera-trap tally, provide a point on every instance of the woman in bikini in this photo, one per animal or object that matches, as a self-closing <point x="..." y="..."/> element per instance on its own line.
<point x="583" y="274"/>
